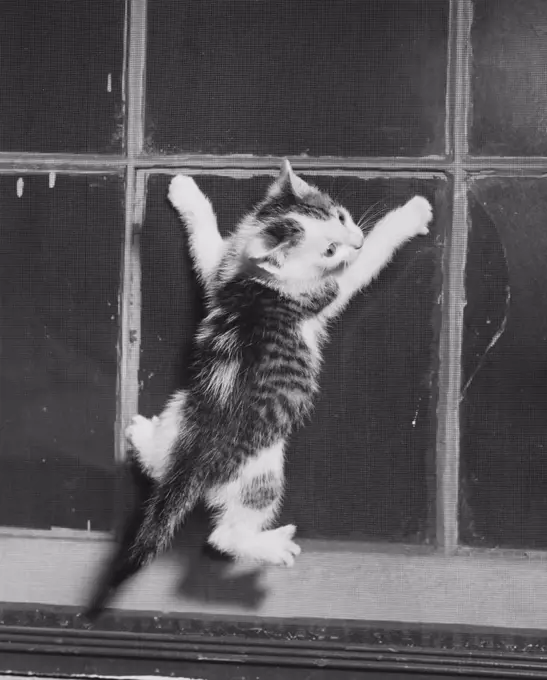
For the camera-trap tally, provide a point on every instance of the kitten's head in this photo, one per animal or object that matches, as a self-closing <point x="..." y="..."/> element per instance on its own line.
<point x="299" y="234"/>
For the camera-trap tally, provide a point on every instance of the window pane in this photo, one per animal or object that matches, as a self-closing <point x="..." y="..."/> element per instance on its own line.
<point x="509" y="78"/>
<point x="504" y="427"/>
<point x="315" y="78"/>
<point x="61" y="75"/>
<point x="363" y="466"/>
<point x="59" y="267"/>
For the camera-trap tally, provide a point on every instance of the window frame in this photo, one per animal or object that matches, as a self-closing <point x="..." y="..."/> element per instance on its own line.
<point x="77" y="555"/>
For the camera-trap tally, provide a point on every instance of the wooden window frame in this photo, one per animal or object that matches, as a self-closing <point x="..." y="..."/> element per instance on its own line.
<point x="442" y="584"/>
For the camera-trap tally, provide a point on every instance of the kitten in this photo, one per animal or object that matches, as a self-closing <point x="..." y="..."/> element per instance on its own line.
<point x="290" y="267"/>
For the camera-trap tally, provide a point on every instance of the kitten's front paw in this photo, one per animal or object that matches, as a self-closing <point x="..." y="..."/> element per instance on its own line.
<point x="418" y="214"/>
<point x="184" y="193"/>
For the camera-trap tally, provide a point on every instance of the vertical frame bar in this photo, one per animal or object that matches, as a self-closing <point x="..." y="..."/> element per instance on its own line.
<point x="135" y="76"/>
<point x="135" y="195"/>
<point x="130" y="310"/>
<point x="448" y="441"/>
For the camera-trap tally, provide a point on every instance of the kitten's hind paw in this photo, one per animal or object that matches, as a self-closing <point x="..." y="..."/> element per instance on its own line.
<point x="418" y="214"/>
<point x="276" y="546"/>
<point x="140" y="432"/>
<point x="184" y="194"/>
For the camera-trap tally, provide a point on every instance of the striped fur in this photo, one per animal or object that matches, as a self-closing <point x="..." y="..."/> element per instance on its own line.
<point x="272" y="287"/>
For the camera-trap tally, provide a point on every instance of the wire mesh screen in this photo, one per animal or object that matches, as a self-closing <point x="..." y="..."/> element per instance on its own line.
<point x="346" y="78"/>
<point x="61" y="76"/>
<point x="60" y="261"/>
<point x="504" y="429"/>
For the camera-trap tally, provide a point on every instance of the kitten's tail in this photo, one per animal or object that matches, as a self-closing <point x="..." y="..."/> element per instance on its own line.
<point x="160" y="509"/>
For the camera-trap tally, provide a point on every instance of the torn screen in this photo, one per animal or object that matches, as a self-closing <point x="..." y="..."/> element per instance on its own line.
<point x="504" y="395"/>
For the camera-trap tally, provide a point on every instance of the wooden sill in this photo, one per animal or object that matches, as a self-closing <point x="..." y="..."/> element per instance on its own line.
<point x="330" y="581"/>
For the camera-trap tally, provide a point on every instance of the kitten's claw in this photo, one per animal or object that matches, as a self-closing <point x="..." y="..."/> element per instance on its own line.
<point x="418" y="214"/>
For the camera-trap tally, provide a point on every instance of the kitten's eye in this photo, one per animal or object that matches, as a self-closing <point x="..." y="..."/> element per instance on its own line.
<point x="329" y="252"/>
<point x="342" y="217"/>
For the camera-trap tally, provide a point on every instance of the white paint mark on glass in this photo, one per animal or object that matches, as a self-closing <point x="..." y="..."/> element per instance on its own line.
<point x="109" y="83"/>
<point x="415" y="420"/>
<point x="20" y="187"/>
<point x="52" y="178"/>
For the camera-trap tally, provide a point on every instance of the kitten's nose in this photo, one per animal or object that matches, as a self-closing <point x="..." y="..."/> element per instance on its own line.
<point x="359" y="245"/>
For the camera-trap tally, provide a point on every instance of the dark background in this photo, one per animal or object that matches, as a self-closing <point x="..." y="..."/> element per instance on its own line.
<point x="508" y="81"/>
<point x="362" y="467"/>
<point x="345" y="78"/>
<point x="60" y="263"/>
<point x="55" y="58"/>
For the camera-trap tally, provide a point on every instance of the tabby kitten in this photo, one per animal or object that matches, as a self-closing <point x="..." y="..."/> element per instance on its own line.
<point x="291" y="265"/>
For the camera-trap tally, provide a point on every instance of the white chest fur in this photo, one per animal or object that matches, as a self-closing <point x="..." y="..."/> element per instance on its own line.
<point x="313" y="333"/>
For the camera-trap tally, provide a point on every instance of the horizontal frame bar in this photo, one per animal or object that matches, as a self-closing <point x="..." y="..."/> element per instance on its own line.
<point x="308" y="544"/>
<point x="29" y="162"/>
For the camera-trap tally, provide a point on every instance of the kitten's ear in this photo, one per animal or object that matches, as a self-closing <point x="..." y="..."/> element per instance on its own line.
<point x="282" y="232"/>
<point x="269" y="248"/>
<point x="288" y="183"/>
<point x="267" y="260"/>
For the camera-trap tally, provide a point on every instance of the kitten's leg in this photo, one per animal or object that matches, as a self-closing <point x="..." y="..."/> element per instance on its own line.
<point x="246" y="506"/>
<point x="153" y="438"/>
<point x="389" y="234"/>
<point x="206" y="244"/>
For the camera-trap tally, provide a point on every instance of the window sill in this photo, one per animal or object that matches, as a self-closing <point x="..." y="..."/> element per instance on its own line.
<point x="332" y="581"/>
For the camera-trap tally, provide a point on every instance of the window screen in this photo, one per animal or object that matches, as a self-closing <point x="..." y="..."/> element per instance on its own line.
<point x="504" y="430"/>
<point x="61" y="76"/>
<point x="508" y="78"/>
<point x="343" y="78"/>
<point x="61" y="241"/>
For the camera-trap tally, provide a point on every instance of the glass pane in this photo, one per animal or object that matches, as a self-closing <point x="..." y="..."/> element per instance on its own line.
<point x="504" y="428"/>
<point x="61" y="75"/>
<point x="347" y="78"/>
<point x="509" y="78"/>
<point x="363" y="467"/>
<point x="59" y="267"/>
